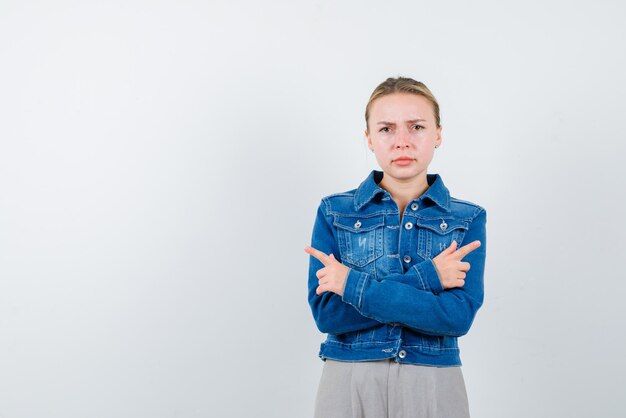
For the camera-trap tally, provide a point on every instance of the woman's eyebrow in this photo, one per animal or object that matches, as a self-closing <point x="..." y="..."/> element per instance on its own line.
<point x="384" y="122"/>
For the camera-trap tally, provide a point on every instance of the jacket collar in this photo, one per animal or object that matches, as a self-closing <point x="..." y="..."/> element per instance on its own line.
<point x="368" y="189"/>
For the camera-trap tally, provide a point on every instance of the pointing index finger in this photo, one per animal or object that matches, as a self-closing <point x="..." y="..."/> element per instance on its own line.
<point x="466" y="249"/>
<point x="322" y="257"/>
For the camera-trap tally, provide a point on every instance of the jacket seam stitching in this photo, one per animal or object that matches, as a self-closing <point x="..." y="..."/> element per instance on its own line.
<point x="361" y="290"/>
<point x="390" y="342"/>
<point x="420" y="276"/>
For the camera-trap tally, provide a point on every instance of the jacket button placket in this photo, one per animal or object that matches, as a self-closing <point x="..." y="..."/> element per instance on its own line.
<point x="406" y="238"/>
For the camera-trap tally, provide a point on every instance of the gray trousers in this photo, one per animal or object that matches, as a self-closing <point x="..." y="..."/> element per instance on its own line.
<point x="387" y="389"/>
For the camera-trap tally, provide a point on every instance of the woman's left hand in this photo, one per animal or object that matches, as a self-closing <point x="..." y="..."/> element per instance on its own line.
<point x="331" y="278"/>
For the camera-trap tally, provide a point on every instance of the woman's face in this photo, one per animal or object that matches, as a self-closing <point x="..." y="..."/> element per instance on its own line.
<point x="403" y="134"/>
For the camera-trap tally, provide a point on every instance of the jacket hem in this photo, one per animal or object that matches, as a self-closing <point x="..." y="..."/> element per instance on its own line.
<point x="380" y="351"/>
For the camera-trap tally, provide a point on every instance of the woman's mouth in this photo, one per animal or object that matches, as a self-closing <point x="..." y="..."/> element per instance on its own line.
<point x="403" y="161"/>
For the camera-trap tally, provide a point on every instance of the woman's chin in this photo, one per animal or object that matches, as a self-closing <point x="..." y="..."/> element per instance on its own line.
<point x="404" y="173"/>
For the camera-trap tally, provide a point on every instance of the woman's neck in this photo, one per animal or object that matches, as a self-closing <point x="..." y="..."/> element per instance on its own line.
<point x="403" y="191"/>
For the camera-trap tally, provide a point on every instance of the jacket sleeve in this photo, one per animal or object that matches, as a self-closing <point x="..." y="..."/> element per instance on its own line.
<point x="392" y="298"/>
<point x="332" y="315"/>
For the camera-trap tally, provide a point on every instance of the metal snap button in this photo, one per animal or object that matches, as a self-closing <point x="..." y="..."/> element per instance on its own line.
<point x="357" y="225"/>
<point x="443" y="225"/>
<point x="414" y="206"/>
<point x="407" y="258"/>
<point x="402" y="354"/>
<point x="408" y="225"/>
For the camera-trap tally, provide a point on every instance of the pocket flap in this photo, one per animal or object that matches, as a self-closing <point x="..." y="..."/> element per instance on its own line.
<point x="442" y="226"/>
<point x="356" y="225"/>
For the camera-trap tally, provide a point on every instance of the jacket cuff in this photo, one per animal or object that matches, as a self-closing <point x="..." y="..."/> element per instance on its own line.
<point x="428" y="273"/>
<point x="353" y="289"/>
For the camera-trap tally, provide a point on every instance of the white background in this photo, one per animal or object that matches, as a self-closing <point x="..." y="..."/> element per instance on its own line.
<point x="161" y="164"/>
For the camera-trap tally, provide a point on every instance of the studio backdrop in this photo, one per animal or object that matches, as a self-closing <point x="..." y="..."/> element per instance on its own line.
<point x="161" y="164"/>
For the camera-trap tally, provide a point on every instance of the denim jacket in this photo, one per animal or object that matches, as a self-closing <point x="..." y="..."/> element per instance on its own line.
<point x="394" y="305"/>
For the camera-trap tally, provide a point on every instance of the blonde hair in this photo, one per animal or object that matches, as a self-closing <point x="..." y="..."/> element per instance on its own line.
<point x="402" y="85"/>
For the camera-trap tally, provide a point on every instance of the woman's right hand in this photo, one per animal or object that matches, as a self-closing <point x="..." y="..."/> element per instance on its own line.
<point x="450" y="268"/>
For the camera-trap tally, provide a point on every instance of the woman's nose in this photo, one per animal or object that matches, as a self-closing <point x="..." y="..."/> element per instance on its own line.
<point x="402" y="140"/>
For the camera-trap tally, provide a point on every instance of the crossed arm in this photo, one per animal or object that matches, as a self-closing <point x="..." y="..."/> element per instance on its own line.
<point x="344" y="300"/>
<point x="450" y="269"/>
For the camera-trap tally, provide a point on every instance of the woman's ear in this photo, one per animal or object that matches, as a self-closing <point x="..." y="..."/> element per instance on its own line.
<point x="369" y="141"/>
<point x="439" y="138"/>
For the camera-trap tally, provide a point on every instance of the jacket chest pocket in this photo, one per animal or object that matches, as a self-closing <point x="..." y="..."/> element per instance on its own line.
<point x="360" y="240"/>
<point x="435" y="235"/>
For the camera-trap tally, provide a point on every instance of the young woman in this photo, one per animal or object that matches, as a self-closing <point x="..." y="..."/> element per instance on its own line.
<point x="396" y="272"/>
